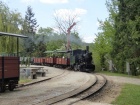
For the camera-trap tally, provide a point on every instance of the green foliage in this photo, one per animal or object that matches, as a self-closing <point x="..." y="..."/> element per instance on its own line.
<point x="102" y="47"/>
<point x="30" y="22"/>
<point x="126" y="45"/>
<point x="119" y="39"/>
<point x="29" y="29"/>
<point x="10" y="21"/>
<point x="24" y="80"/>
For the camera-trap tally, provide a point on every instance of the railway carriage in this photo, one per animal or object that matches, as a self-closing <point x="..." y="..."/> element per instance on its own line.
<point x="9" y="67"/>
<point x="50" y="61"/>
<point x="9" y="73"/>
<point x="63" y="62"/>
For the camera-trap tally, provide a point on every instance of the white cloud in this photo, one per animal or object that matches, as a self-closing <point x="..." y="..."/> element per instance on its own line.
<point x="80" y="11"/>
<point x="54" y="1"/>
<point x="27" y="1"/>
<point x="80" y="0"/>
<point x="65" y="14"/>
<point x="45" y="1"/>
<point x="77" y="11"/>
<point x="97" y="24"/>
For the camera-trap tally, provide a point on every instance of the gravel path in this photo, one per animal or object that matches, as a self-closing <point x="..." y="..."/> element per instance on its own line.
<point x="50" y="73"/>
<point x="119" y="79"/>
<point x="89" y="103"/>
<point x="45" y="90"/>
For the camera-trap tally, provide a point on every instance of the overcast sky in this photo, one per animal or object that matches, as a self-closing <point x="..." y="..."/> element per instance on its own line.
<point x="90" y="11"/>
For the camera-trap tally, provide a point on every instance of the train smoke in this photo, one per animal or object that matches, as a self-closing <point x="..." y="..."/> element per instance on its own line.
<point x="46" y="38"/>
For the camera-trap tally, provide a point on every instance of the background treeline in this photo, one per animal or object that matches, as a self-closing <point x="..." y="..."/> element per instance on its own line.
<point x="119" y="37"/>
<point x="40" y="39"/>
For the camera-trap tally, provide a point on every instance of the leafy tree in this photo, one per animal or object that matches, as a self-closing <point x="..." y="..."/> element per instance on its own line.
<point x="10" y="21"/>
<point x="127" y="38"/>
<point x="41" y="39"/>
<point x="30" y="21"/>
<point x="29" y="29"/>
<point x="103" y="47"/>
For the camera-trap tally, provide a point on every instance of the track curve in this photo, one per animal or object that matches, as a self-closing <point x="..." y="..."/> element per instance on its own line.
<point x="91" y="80"/>
<point x="100" y="83"/>
<point x="41" y="92"/>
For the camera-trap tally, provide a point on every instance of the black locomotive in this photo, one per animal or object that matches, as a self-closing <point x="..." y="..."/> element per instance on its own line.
<point x="81" y="60"/>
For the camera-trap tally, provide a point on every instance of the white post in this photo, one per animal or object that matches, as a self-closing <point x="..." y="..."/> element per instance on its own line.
<point x="128" y="68"/>
<point x="110" y="65"/>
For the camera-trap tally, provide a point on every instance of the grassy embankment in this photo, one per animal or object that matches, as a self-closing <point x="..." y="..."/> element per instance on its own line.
<point x="24" y="80"/>
<point x="130" y="93"/>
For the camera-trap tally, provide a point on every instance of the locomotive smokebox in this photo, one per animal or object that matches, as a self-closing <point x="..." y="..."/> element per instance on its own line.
<point x="87" y="48"/>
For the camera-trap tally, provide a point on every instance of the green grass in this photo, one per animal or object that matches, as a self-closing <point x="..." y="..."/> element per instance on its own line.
<point x="117" y="74"/>
<point x="24" y="80"/>
<point x="130" y="95"/>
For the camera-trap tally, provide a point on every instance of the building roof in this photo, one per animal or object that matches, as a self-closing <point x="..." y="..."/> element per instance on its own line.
<point x="56" y="51"/>
<point x="13" y="35"/>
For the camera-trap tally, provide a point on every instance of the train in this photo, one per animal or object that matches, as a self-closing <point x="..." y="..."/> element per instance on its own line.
<point x="77" y="60"/>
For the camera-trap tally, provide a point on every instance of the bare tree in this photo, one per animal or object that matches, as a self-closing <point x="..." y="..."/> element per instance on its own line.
<point x="66" y="23"/>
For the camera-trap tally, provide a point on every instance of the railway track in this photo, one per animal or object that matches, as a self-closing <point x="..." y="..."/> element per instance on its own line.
<point x="81" y="93"/>
<point x="92" y="80"/>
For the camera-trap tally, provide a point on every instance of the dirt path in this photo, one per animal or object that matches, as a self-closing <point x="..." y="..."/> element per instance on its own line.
<point x="45" y="90"/>
<point x="118" y="79"/>
<point x="107" y="94"/>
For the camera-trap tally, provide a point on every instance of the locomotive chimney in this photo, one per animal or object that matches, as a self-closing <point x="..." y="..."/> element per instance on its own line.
<point x="87" y="48"/>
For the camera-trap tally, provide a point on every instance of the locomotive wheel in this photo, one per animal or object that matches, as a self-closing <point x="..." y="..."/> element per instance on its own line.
<point x="2" y="89"/>
<point x="11" y="87"/>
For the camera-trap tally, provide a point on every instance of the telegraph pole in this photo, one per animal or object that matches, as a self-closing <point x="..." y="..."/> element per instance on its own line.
<point x="68" y="35"/>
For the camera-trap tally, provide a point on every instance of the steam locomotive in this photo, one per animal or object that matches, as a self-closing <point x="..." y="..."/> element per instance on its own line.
<point x="78" y="60"/>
